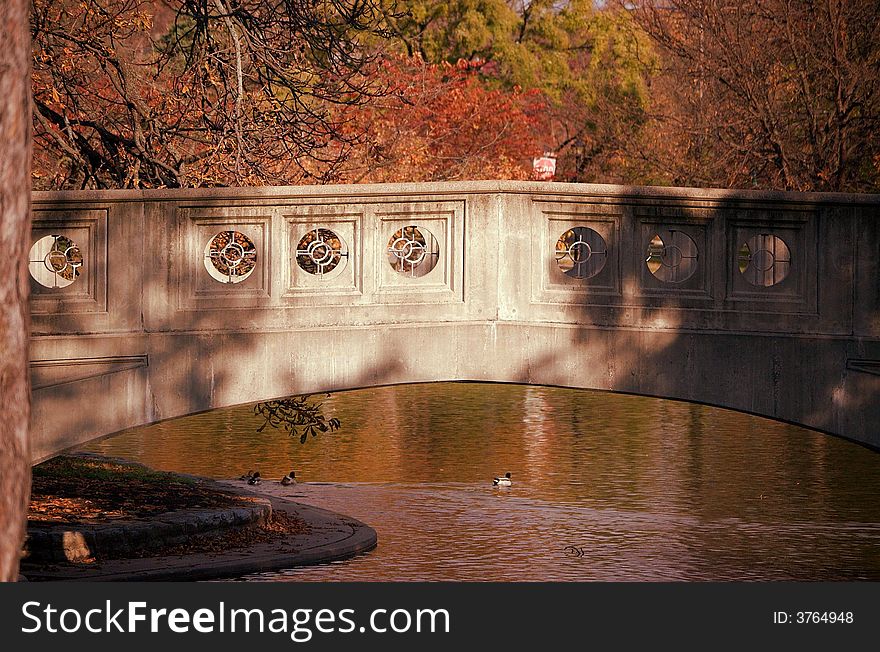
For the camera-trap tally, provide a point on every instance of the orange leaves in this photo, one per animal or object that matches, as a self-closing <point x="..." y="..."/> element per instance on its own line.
<point x="56" y="97"/>
<point x="124" y="99"/>
<point x="445" y="121"/>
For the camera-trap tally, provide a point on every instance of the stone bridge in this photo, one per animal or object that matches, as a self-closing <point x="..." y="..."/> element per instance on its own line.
<point x="149" y="305"/>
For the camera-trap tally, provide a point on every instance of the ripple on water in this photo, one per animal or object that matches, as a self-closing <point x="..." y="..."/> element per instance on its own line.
<point x="635" y="488"/>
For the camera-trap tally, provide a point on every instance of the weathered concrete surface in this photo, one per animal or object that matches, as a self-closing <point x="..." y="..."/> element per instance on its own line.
<point x="58" y="542"/>
<point x="145" y="333"/>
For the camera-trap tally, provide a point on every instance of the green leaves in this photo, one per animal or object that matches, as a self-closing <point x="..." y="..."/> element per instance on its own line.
<point x="592" y="65"/>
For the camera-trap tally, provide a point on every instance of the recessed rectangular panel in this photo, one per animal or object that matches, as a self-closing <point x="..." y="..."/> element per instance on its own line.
<point x="582" y="253"/>
<point x="324" y="252"/>
<point x="225" y="258"/>
<point x="419" y="252"/>
<point x="68" y="261"/>
<point x="771" y="260"/>
<point x="673" y="258"/>
<point x="576" y="253"/>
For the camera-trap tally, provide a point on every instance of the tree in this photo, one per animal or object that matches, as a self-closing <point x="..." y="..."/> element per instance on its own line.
<point x="15" y="461"/>
<point x="442" y="122"/>
<point x="593" y="66"/>
<point x="137" y="93"/>
<point x="778" y="94"/>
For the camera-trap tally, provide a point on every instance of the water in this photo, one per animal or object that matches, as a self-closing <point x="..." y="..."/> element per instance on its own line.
<point x="605" y="487"/>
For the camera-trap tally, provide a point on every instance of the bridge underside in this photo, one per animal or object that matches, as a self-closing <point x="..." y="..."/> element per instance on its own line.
<point x="179" y="374"/>
<point x="147" y="331"/>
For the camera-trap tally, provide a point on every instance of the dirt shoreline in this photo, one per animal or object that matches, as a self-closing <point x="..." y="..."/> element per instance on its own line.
<point x="241" y="532"/>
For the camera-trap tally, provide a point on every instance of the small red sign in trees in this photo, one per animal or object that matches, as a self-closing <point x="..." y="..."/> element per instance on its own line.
<point x="544" y="167"/>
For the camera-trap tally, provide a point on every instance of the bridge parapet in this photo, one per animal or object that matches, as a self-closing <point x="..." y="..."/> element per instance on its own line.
<point x="163" y="303"/>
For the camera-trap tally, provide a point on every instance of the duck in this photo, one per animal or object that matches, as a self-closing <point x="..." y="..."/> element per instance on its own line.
<point x="247" y="476"/>
<point x="503" y="482"/>
<point x="289" y="479"/>
<point x="255" y="478"/>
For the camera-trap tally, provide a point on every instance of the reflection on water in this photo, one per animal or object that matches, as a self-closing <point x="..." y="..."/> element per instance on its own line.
<point x="606" y="487"/>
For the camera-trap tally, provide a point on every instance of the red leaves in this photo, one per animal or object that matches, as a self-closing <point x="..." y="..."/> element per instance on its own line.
<point x="118" y="106"/>
<point x="445" y="121"/>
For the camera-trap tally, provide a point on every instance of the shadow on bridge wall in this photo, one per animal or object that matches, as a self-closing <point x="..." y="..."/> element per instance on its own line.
<point x="788" y="360"/>
<point x="783" y="354"/>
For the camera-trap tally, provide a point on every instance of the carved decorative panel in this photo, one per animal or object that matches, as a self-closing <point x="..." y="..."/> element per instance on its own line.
<point x="68" y="261"/>
<point x="771" y="259"/>
<point x="324" y="252"/>
<point x="420" y="249"/>
<point x="224" y="258"/>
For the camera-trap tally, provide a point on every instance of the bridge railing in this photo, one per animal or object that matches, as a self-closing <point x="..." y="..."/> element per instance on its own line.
<point x="284" y="258"/>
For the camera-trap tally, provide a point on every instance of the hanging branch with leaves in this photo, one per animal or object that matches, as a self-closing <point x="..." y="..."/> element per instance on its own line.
<point x="297" y="416"/>
<point x="187" y="93"/>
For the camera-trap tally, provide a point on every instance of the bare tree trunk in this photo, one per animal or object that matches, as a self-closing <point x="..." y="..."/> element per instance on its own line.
<point x="15" y="191"/>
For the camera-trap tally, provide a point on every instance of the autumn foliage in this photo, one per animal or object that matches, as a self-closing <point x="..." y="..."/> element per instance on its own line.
<point x="766" y="93"/>
<point x="443" y="122"/>
<point x="181" y="93"/>
<point x="142" y="93"/>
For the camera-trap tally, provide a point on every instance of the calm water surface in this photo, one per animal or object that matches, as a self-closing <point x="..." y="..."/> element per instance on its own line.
<point x="606" y="487"/>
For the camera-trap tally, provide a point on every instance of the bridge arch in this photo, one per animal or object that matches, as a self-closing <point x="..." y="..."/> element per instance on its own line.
<point x="765" y="303"/>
